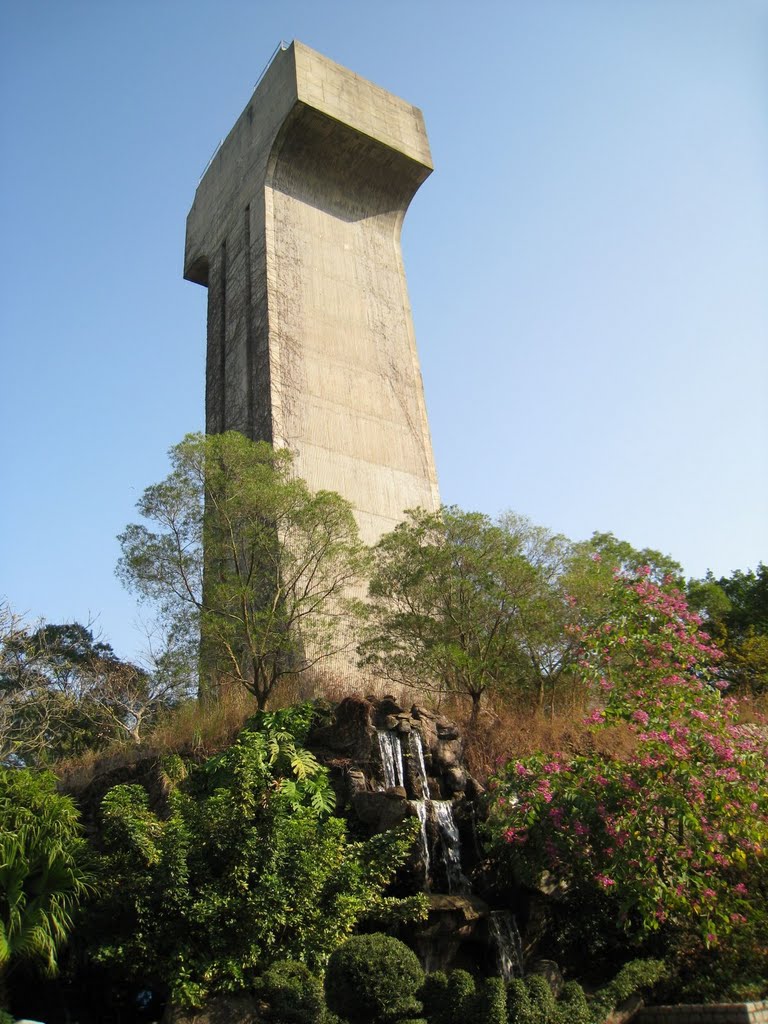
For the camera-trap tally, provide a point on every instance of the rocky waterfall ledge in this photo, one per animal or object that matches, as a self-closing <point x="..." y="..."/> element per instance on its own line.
<point x="387" y="764"/>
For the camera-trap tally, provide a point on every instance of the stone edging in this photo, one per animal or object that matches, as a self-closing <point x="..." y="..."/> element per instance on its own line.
<point x="711" y="1013"/>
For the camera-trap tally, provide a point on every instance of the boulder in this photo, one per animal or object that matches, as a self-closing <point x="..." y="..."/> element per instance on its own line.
<point x="381" y="810"/>
<point x="350" y="732"/>
<point x="455" y="779"/>
<point x="551" y="973"/>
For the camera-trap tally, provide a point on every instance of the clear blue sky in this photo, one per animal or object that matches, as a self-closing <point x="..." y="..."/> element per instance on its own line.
<point x="588" y="265"/>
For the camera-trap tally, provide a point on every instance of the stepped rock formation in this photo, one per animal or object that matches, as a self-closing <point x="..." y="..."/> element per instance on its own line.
<point x="388" y="763"/>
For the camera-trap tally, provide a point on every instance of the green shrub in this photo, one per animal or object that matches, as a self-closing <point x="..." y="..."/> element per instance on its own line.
<point x="518" y="1002"/>
<point x="543" y="1005"/>
<point x="435" y="996"/>
<point x="294" y="994"/>
<point x="572" y="1006"/>
<point x="43" y="874"/>
<point x="632" y="978"/>
<point x="373" y="978"/>
<point x="249" y="867"/>
<point x="490" y="1003"/>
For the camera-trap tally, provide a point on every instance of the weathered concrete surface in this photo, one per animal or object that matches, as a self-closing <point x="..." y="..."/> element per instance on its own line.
<point x="295" y="230"/>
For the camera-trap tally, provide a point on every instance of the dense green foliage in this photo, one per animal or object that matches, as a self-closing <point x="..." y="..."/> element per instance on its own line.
<point x="636" y="976"/>
<point x="648" y="831"/>
<point x="292" y="993"/>
<point x="736" y="613"/>
<point x="466" y="604"/>
<point x="457" y="998"/>
<point x="43" y="873"/>
<point x="373" y="979"/>
<point x="246" y="867"/>
<point x="265" y="595"/>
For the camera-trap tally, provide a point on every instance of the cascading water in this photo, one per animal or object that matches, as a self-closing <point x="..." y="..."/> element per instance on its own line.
<point x="458" y="883"/>
<point x="505" y="933"/>
<point x="441" y="844"/>
<point x="391" y="758"/>
<point x="421" y="810"/>
<point x="442" y="810"/>
<point x="417" y="751"/>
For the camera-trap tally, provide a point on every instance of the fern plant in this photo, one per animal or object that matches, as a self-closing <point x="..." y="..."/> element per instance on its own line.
<point x="42" y="872"/>
<point x="248" y="868"/>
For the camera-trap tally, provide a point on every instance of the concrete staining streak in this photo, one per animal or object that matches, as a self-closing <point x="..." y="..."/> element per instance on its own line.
<point x="295" y="230"/>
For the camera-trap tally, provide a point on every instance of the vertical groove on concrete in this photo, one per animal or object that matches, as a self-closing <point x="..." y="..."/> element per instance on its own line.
<point x="222" y="411"/>
<point x="249" y="340"/>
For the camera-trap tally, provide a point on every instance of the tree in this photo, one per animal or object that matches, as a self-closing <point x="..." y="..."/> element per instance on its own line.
<point x="247" y="867"/>
<point x="735" y="608"/>
<point x="63" y="691"/>
<point x="456" y="604"/>
<point x="620" y="554"/>
<point x="42" y="874"/>
<point x="663" y="827"/>
<point x="248" y="556"/>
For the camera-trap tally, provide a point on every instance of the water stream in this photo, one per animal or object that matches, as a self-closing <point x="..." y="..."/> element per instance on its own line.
<point x="505" y="933"/>
<point x="458" y="883"/>
<point x="501" y="924"/>
<point x="391" y="758"/>
<point x="417" y="752"/>
<point x="441" y="811"/>
<point x="421" y="810"/>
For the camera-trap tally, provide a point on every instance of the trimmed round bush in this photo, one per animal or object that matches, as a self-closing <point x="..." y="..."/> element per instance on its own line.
<point x="373" y="978"/>
<point x="294" y="994"/>
<point x="572" y="1006"/>
<point x="518" y="1003"/>
<point x="436" y="998"/>
<point x="543" y="1005"/>
<point x="491" y="1002"/>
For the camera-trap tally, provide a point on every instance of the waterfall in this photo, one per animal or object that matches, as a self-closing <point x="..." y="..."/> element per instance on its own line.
<point x="440" y="810"/>
<point x="505" y="933"/>
<point x="458" y="883"/>
<point x="417" y="751"/>
<point x="421" y="810"/>
<point x="391" y="758"/>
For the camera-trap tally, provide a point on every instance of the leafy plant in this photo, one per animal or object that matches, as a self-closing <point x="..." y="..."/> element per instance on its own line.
<point x="294" y="995"/>
<point x="490" y="1005"/>
<point x="633" y="977"/>
<point x="372" y="979"/>
<point x="247" y="868"/>
<point x="43" y="873"/>
<point x="668" y="833"/>
<point x="245" y="555"/>
<point x="465" y="604"/>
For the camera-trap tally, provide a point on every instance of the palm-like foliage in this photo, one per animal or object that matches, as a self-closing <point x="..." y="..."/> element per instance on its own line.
<point x="42" y="878"/>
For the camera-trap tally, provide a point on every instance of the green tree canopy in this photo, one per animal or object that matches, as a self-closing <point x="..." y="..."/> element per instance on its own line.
<point x="248" y="556"/>
<point x="464" y="604"/>
<point x="620" y="554"/>
<point x="735" y="610"/>
<point x="62" y="691"/>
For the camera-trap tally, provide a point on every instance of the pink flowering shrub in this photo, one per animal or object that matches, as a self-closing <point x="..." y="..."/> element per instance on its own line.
<point x="670" y="839"/>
